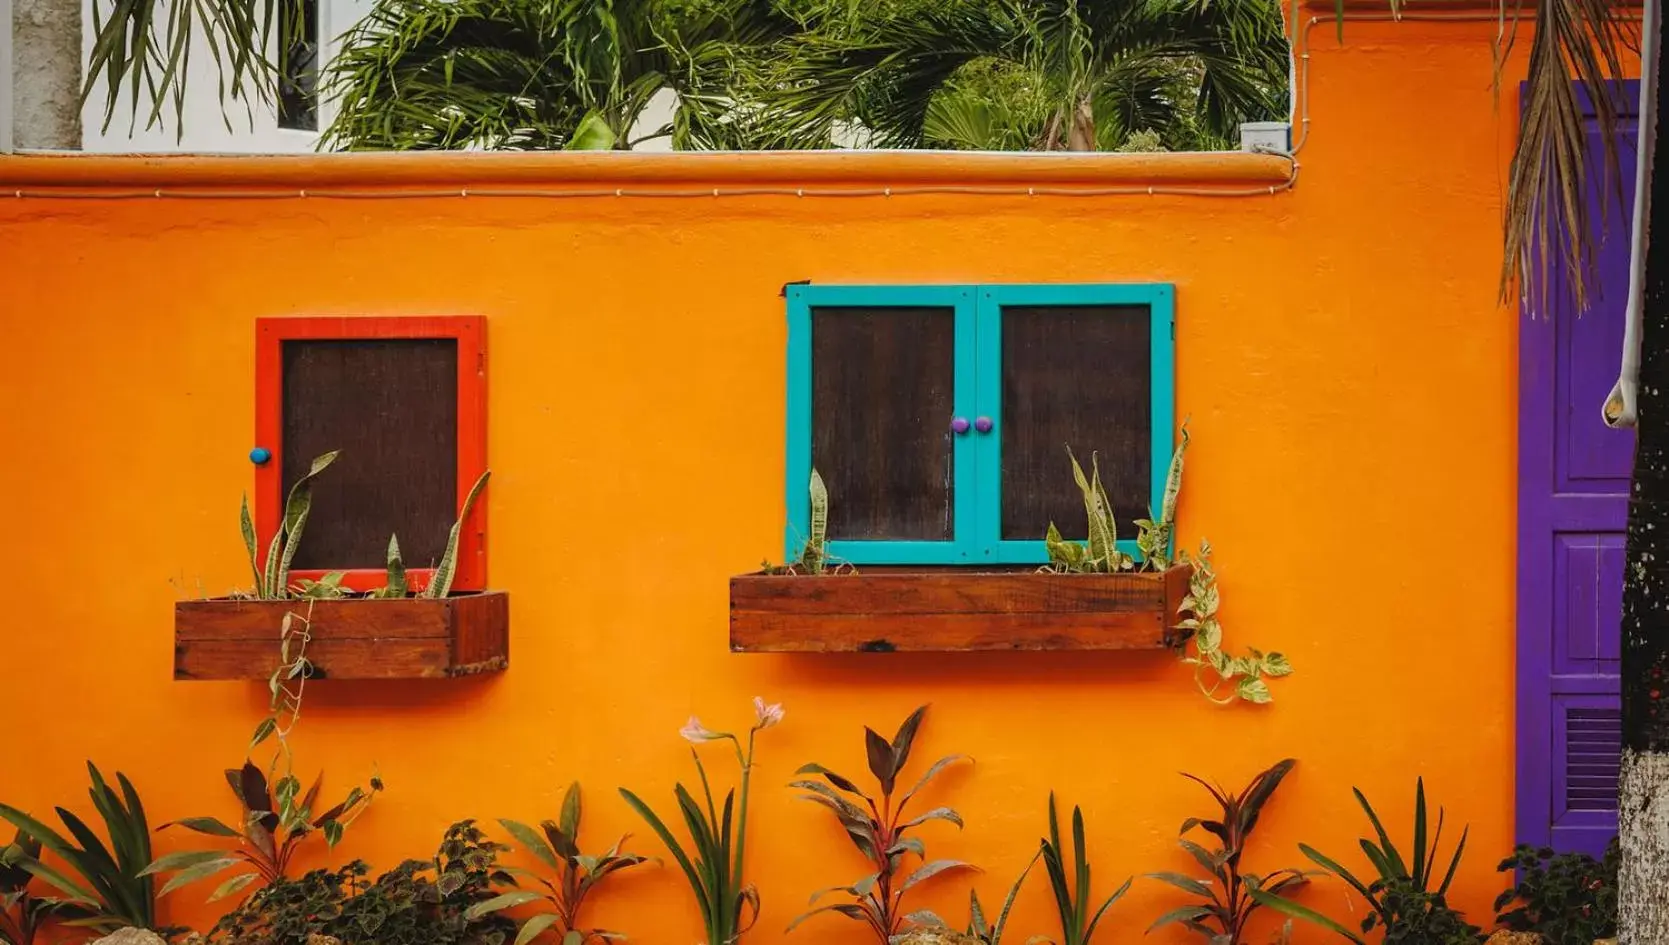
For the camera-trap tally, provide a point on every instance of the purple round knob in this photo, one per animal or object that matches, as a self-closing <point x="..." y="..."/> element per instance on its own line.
<point x="959" y="426"/>
<point x="983" y="424"/>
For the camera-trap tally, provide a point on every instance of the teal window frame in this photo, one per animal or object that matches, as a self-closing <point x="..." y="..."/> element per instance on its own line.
<point x="977" y="515"/>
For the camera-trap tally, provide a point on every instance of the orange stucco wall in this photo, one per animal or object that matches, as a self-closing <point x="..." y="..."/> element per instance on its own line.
<point x="1350" y="375"/>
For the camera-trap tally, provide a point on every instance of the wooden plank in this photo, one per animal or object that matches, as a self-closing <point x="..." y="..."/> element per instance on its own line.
<point x="948" y="592"/>
<point x="949" y="610"/>
<point x="481" y="634"/>
<point x="331" y="659"/>
<point x="412" y="618"/>
<point x="904" y="633"/>
<point x="413" y="638"/>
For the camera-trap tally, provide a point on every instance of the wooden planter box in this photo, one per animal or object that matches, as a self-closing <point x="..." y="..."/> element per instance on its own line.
<point x="886" y="610"/>
<point x="353" y="638"/>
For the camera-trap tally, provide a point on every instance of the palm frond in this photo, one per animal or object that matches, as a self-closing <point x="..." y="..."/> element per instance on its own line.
<point x="1578" y="48"/>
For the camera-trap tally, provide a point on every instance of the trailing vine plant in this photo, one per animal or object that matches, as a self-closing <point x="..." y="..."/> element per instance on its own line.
<point x="1213" y="668"/>
<point x="276" y="815"/>
<point x="1245" y="677"/>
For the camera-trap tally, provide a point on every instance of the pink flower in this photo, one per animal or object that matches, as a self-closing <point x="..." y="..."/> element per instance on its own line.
<point x="694" y="731"/>
<point x="768" y="715"/>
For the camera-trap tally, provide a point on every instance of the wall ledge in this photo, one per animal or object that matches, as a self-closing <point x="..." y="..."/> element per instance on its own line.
<point x="823" y="169"/>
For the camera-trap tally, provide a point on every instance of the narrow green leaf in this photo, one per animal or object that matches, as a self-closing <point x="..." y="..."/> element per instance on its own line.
<point x="232" y="886"/>
<point x="530" y="839"/>
<point x="194" y="873"/>
<point x="508" y="900"/>
<point x="533" y="926"/>
<point x="440" y="584"/>
<point x="570" y="817"/>
<point x="1287" y="907"/>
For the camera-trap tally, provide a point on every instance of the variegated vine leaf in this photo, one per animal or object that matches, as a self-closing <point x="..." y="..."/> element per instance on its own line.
<point x="1244" y="674"/>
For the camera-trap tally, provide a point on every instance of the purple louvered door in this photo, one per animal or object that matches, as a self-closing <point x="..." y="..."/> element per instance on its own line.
<point x="1573" y="509"/>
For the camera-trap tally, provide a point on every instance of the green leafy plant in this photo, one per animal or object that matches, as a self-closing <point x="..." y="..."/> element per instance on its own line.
<point x="1566" y="898"/>
<point x="556" y="844"/>
<point x="979" y="929"/>
<point x="1229" y="894"/>
<point x="1245" y="675"/>
<point x="106" y="887"/>
<point x="395" y="586"/>
<point x="1155" y="538"/>
<point x="879" y="828"/>
<point x="729" y="905"/>
<point x="814" y="558"/>
<point x="992" y="933"/>
<point x="21" y="912"/>
<point x="1072" y="894"/>
<point x="419" y="902"/>
<point x="1101" y="554"/>
<point x="1406" y="897"/>
<point x="440" y="584"/>
<point x="276" y="819"/>
<point x="272" y="580"/>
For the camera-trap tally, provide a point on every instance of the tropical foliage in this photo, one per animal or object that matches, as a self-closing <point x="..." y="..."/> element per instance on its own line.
<point x="574" y="876"/>
<point x="272" y="574"/>
<point x="1079" y="917"/>
<point x="21" y="912"/>
<point x="879" y="827"/>
<point x="729" y="905"/>
<point x="1041" y="74"/>
<point x="1565" y="898"/>
<point x="276" y="819"/>
<point x="1406" y="897"/>
<point x="1228" y="893"/>
<point x="524" y="75"/>
<point x="105" y="886"/>
<point x="420" y="902"/>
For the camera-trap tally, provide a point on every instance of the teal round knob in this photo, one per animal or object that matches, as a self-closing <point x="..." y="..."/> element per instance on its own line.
<point x="260" y="456"/>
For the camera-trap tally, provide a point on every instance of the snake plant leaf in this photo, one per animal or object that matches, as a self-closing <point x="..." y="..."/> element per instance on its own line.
<point x="440" y="584"/>
<point x="396" y="586"/>
<point x="815" y="552"/>
<point x="247" y="526"/>
<point x="296" y="509"/>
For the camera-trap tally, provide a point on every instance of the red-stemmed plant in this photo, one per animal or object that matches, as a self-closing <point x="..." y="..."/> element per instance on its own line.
<point x="879" y="827"/>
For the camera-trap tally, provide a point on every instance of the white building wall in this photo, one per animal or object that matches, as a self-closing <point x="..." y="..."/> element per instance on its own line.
<point x="253" y="125"/>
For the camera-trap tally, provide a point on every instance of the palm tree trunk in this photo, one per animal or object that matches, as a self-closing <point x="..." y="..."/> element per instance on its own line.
<point x="1643" y="801"/>
<point x="1081" y="136"/>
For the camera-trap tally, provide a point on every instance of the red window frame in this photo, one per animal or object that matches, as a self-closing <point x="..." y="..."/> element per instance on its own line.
<point x="470" y="332"/>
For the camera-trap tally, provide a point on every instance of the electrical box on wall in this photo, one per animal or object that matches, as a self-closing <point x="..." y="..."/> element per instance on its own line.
<point x="1266" y="136"/>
